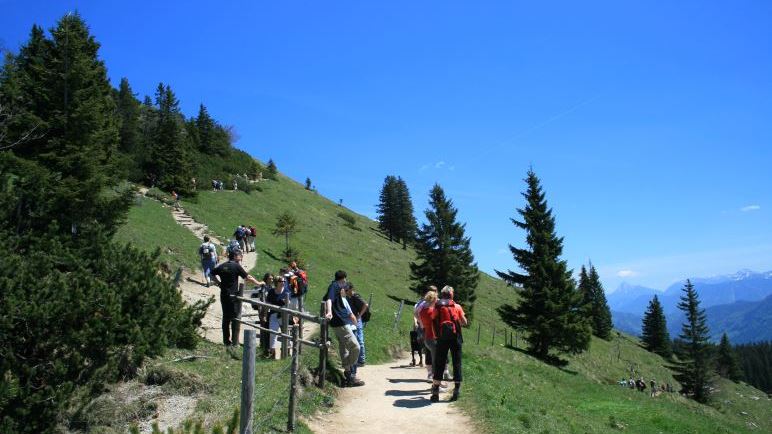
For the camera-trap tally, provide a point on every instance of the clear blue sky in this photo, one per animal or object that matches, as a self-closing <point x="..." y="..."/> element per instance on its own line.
<point x="648" y="122"/>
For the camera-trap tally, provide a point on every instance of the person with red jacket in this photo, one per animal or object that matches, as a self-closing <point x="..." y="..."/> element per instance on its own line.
<point x="447" y="320"/>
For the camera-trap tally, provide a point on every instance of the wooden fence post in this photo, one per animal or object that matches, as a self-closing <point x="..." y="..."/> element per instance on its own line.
<point x="300" y="320"/>
<point x="323" y="351"/>
<point x="293" y="378"/>
<point x="399" y="314"/>
<point x="479" y="329"/>
<point x="493" y="338"/>
<point x="247" y="382"/>
<point x="284" y="341"/>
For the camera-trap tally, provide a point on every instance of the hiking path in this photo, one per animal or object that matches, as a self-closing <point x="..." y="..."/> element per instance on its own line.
<point x="394" y="399"/>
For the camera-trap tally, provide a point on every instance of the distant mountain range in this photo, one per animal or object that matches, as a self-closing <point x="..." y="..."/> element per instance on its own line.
<point x="739" y="304"/>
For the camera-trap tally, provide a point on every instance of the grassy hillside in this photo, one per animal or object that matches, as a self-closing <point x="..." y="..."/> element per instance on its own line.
<point x="506" y="389"/>
<point x="150" y="226"/>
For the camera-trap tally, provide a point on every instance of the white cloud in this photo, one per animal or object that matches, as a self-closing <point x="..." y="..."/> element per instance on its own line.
<point x="502" y="251"/>
<point x="626" y="273"/>
<point x="439" y="164"/>
<point x="423" y="168"/>
<point x="750" y="208"/>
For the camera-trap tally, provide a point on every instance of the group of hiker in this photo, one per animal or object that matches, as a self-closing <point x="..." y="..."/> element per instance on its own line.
<point x="217" y="185"/>
<point x="244" y="237"/>
<point x="640" y="385"/>
<point x="437" y="322"/>
<point x="438" y="319"/>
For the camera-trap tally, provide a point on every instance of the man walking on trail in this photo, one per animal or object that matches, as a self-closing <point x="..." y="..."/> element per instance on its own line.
<point x="240" y="235"/>
<point x="342" y="321"/>
<point x="359" y="306"/>
<point x="448" y="318"/>
<point x="297" y="284"/>
<point x="227" y="275"/>
<point x="208" y="253"/>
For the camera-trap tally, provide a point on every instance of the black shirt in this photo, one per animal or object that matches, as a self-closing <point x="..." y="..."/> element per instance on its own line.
<point x="229" y="273"/>
<point x="357" y="303"/>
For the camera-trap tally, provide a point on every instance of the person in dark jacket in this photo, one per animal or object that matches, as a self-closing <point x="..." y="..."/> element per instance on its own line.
<point x="278" y="296"/>
<point x="227" y="276"/>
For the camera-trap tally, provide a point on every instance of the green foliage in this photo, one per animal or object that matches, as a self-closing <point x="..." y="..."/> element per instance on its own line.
<point x="594" y="302"/>
<point x="756" y="364"/>
<point x="286" y="225"/>
<point x="169" y="163"/>
<point x="308" y="183"/>
<point x="727" y="364"/>
<point x="655" y="336"/>
<point x="395" y="211"/>
<point x="443" y="255"/>
<point x="550" y="307"/>
<point x="273" y="171"/>
<point x="694" y="365"/>
<point x="350" y="220"/>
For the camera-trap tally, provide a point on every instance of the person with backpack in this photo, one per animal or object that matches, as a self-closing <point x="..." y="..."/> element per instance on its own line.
<point x="208" y="253"/>
<point x="343" y="323"/>
<point x="359" y="306"/>
<point x="297" y="284"/>
<point x="278" y="296"/>
<point x="448" y="318"/>
<point x="227" y="276"/>
<point x="240" y="235"/>
<point x="251" y="236"/>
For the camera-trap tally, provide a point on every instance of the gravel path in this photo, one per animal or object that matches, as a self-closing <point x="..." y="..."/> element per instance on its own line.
<point x="395" y="399"/>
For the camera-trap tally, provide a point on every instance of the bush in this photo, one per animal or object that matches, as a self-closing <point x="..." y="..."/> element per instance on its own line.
<point x="349" y="220"/>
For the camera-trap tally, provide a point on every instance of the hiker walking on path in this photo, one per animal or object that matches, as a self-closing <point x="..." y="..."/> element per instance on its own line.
<point x="343" y="323"/>
<point x="278" y="296"/>
<point x="227" y="275"/>
<point x="448" y="318"/>
<point x="359" y="306"/>
<point x="175" y="200"/>
<point x="251" y="235"/>
<point x="240" y="235"/>
<point x="208" y="253"/>
<point x="424" y="311"/>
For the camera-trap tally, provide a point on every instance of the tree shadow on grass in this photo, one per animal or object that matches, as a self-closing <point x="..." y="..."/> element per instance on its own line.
<point x="378" y="233"/>
<point x="551" y="360"/>
<point x="272" y="256"/>
<point x="400" y="299"/>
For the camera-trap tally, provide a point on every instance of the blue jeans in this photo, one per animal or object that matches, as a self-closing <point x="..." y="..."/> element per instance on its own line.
<point x="360" y="334"/>
<point x="207" y="265"/>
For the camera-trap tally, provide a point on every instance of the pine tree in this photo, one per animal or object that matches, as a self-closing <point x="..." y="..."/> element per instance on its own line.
<point x="443" y="253"/>
<point x="600" y="312"/>
<point x="550" y="307"/>
<point x="308" y="183"/>
<point x="60" y="87"/>
<point x="727" y="364"/>
<point x="286" y="225"/>
<point x="655" y="336"/>
<point x="128" y="113"/>
<point x="693" y="369"/>
<point x="585" y="289"/>
<point x="404" y="218"/>
<point x="272" y="169"/>
<point x="387" y="207"/>
<point x="169" y="160"/>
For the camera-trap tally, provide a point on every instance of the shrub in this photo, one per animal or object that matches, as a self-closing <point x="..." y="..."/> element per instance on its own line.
<point x="348" y="220"/>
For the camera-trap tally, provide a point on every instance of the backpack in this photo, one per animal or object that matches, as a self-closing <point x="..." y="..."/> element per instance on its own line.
<point x="233" y="245"/>
<point x="446" y="326"/>
<point x="366" y="315"/>
<point x="298" y="282"/>
<point x="252" y="232"/>
<point x="206" y="251"/>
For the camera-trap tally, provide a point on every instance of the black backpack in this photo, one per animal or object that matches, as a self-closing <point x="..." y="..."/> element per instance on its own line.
<point x="366" y="315"/>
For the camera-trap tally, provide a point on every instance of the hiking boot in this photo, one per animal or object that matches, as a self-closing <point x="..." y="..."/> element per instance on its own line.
<point x="360" y="364"/>
<point x="435" y="393"/>
<point x="456" y="391"/>
<point x="446" y="375"/>
<point x="429" y="377"/>
<point x="355" y="382"/>
<point x="443" y="386"/>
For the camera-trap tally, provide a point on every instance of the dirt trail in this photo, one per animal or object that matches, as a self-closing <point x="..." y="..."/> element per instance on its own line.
<point x="395" y="399"/>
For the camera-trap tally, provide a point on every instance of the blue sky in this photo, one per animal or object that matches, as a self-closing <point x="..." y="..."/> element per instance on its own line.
<point x="648" y="122"/>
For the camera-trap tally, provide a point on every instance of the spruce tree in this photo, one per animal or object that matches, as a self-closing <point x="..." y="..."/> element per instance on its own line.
<point x="59" y="86"/>
<point x="128" y="114"/>
<point x="387" y="207"/>
<point x="600" y="312"/>
<point x="169" y="160"/>
<point x="443" y="253"/>
<point x="404" y="218"/>
<point x="693" y="368"/>
<point x="272" y="169"/>
<point x="308" y="183"/>
<point x="585" y="289"/>
<point x="550" y="307"/>
<point x="655" y="336"/>
<point x="727" y="364"/>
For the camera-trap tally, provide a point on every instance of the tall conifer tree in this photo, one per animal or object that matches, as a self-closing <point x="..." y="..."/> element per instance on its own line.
<point x="655" y="336"/>
<point x="405" y="220"/>
<point x="443" y="253"/>
<point x="693" y="368"/>
<point x="550" y="307"/>
<point x="600" y="312"/>
<point x="388" y="206"/>
<point x="169" y="161"/>
<point x="727" y="364"/>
